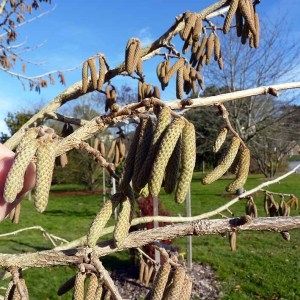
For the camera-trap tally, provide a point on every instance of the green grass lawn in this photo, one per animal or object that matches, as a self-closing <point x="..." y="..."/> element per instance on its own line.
<point x="263" y="267"/>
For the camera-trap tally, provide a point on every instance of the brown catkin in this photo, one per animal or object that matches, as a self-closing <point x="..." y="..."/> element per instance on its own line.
<point x="220" y="139"/>
<point x="178" y="64"/>
<point x="186" y="71"/>
<point x="66" y="286"/>
<point x="140" y="95"/>
<point x="200" y="81"/>
<point x="92" y="287"/>
<point x="245" y="33"/>
<point x="188" y="160"/>
<point x="165" y="150"/>
<point x="197" y="29"/>
<point x="172" y="168"/>
<point x="242" y="173"/>
<point x="195" y="46"/>
<point x="15" y="178"/>
<point x="257" y="27"/>
<point x="163" y="120"/>
<point x="102" y="148"/>
<point x="239" y="22"/>
<point x="188" y="42"/>
<point x="102" y="218"/>
<point x="186" y="291"/>
<point x="16" y="216"/>
<point x="130" y="158"/>
<point x="201" y="47"/>
<point x="78" y="292"/>
<point x="221" y="63"/>
<point x="185" y="32"/>
<point x="193" y="79"/>
<point x="232" y="240"/>
<point x="85" y="77"/>
<point x="209" y="47"/>
<point x="175" y="288"/>
<point x="130" y="55"/>
<point x="179" y="84"/>
<point x="44" y="170"/>
<point x="117" y="155"/>
<point x="160" y="282"/>
<point x="217" y="48"/>
<point x="138" y="58"/>
<point x="96" y="143"/>
<point x="156" y="92"/>
<point x="110" y="154"/>
<point x="246" y="9"/>
<point x="93" y="70"/>
<point x="230" y="14"/>
<point x="102" y="72"/>
<point x="144" y="143"/>
<point x="225" y="163"/>
<point x="160" y="71"/>
<point x="123" y="222"/>
<point x="139" y="67"/>
<point x="122" y="148"/>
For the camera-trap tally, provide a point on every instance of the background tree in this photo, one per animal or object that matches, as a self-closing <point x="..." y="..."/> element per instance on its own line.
<point x="253" y="117"/>
<point x="13" y="14"/>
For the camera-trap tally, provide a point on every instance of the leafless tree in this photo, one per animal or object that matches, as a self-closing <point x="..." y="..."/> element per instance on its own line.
<point x="35" y="141"/>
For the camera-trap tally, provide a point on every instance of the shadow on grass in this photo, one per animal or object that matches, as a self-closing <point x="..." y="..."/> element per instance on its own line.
<point x="28" y="245"/>
<point x="60" y="212"/>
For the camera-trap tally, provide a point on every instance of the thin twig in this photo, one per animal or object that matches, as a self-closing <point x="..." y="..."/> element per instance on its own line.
<point x="50" y="236"/>
<point x="106" y="277"/>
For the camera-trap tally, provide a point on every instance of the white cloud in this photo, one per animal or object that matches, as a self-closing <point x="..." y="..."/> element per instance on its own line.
<point x="145" y="36"/>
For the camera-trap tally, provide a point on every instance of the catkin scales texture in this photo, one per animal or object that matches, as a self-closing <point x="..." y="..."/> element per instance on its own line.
<point x="101" y="219"/>
<point x="188" y="160"/>
<point x="163" y="155"/>
<point x="44" y="170"/>
<point x="225" y="163"/>
<point x="15" y="178"/>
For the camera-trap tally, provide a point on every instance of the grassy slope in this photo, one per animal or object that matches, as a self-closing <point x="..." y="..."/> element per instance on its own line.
<point x="263" y="267"/>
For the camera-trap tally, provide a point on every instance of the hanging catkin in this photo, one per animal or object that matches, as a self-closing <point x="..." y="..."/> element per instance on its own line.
<point x="78" y="292"/>
<point x="174" y="289"/>
<point x="130" y="158"/>
<point x="144" y="143"/>
<point x="44" y="170"/>
<point x="188" y="160"/>
<point x="165" y="150"/>
<point x="172" y="168"/>
<point x="225" y="163"/>
<point x="24" y="153"/>
<point x="123" y="222"/>
<point x="160" y="282"/>
<point x="163" y="120"/>
<point x="242" y="173"/>
<point x="102" y="218"/>
<point x="229" y="16"/>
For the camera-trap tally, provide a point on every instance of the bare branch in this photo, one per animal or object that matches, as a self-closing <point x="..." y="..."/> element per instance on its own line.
<point x="141" y="238"/>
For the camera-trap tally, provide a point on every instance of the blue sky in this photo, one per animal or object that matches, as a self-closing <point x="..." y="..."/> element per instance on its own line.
<point x="73" y="32"/>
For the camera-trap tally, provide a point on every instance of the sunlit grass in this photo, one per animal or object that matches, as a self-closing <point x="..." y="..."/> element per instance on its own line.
<point x="263" y="267"/>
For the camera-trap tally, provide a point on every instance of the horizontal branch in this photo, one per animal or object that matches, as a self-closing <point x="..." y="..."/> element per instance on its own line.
<point x="147" y="219"/>
<point x="218" y="99"/>
<point x="141" y="238"/>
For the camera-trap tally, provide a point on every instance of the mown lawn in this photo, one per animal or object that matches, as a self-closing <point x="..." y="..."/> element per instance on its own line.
<point x="263" y="267"/>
